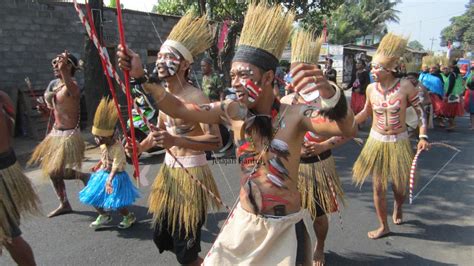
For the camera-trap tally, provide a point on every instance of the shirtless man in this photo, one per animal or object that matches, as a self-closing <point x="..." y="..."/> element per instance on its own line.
<point x="178" y="204"/>
<point x="61" y="153"/>
<point x="317" y="173"/>
<point x="269" y="158"/>
<point x="387" y="154"/>
<point x="17" y="196"/>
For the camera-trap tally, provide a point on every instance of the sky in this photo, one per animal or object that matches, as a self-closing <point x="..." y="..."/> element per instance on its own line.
<point x="420" y="19"/>
<point x="424" y="19"/>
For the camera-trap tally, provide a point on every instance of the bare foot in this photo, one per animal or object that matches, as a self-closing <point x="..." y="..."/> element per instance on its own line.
<point x="318" y="258"/>
<point x="397" y="214"/>
<point x="62" y="209"/>
<point x="381" y="232"/>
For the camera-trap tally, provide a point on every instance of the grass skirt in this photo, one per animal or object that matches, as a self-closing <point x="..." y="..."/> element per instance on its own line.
<point x="437" y="103"/>
<point x="384" y="161"/>
<point x="124" y="191"/>
<point x="58" y="151"/>
<point x="313" y="184"/>
<point x="453" y="109"/>
<point x="17" y="198"/>
<point x="176" y="197"/>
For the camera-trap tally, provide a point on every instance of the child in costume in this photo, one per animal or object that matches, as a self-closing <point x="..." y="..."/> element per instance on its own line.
<point x="110" y="186"/>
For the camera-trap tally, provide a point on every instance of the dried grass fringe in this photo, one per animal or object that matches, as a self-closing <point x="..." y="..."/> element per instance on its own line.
<point x="305" y="47"/>
<point x="313" y="184"/>
<point x="176" y="197"/>
<point x="17" y="198"/>
<point x="193" y="33"/>
<point x="384" y="161"/>
<point x="56" y="153"/>
<point x="267" y="27"/>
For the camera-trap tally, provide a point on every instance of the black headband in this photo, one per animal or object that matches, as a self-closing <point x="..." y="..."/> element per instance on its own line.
<point x="256" y="56"/>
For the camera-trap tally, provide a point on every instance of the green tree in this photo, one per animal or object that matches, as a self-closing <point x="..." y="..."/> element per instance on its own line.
<point x="113" y="3"/>
<point x="461" y="29"/>
<point x="357" y="18"/>
<point x="415" y="45"/>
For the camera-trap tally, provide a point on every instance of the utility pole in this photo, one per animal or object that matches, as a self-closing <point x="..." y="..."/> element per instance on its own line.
<point x="432" y="41"/>
<point x="94" y="80"/>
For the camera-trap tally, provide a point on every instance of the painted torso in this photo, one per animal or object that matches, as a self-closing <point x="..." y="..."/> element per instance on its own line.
<point x="272" y="180"/>
<point x="65" y="106"/>
<point x="388" y="109"/>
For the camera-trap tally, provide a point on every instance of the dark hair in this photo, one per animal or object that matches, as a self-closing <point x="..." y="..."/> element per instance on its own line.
<point x="207" y="60"/>
<point x="330" y="60"/>
<point x="362" y="62"/>
<point x="414" y="74"/>
<point x="339" y="111"/>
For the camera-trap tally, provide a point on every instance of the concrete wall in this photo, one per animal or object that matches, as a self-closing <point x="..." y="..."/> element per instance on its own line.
<point x="32" y="32"/>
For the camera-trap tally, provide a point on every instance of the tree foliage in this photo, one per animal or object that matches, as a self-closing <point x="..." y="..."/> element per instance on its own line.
<point x="415" y="45"/>
<point x="461" y="29"/>
<point x="357" y="18"/>
<point x="113" y="3"/>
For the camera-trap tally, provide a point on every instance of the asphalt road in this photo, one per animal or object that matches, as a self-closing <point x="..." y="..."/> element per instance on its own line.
<point x="438" y="228"/>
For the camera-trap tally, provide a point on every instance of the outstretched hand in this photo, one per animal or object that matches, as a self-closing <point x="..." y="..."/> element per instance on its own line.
<point x="63" y="63"/>
<point x="308" y="78"/>
<point x="130" y="61"/>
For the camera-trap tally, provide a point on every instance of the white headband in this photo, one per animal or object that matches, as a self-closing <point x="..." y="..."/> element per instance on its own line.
<point x="181" y="49"/>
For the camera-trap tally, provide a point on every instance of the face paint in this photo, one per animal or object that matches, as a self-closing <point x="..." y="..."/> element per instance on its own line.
<point x="252" y="89"/>
<point x="169" y="61"/>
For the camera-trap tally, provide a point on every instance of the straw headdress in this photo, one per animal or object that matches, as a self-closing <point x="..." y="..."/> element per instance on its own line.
<point x="412" y="67"/>
<point x="190" y="36"/>
<point x="305" y="47"/>
<point x="105" y="118"/>
<point x="390" y="49"/>
<point x="264" y="36"/>
<point x="429" y="60"/>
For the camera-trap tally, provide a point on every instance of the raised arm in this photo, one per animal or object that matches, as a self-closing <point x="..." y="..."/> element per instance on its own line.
<point x="337" y="118"/>
<point x="172" y="106"/>
<point x="65" y="68"/>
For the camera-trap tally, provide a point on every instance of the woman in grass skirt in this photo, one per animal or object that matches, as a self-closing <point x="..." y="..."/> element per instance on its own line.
<point x="109" y="187"/>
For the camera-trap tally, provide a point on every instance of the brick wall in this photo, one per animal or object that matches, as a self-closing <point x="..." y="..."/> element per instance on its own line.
<point x="33" y="32"/>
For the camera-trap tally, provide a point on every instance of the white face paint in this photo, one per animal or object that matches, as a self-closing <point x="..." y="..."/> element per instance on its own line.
<point x="167" y="62"/>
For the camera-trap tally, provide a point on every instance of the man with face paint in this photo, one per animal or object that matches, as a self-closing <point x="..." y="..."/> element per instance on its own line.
<point x="267" y="226"/>
<point x="61" y="153"/>
<point x="179" y="205"/>
<point x="387" y="154"/>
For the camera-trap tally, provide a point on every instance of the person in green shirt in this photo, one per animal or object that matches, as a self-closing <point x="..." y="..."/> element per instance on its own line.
<point x="212" y="84"/>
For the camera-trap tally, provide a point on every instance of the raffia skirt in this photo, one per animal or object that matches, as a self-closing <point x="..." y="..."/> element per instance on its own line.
<point x="17" y="196"/>
<point x="176" y="197"/>
<point x="60" y="150"/>
<point x="315" y="182"/>
<point x="386" y="158"/>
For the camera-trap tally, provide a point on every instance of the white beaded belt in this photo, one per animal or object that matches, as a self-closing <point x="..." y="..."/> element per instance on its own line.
<point x="64" y="133"/>
<point x="388" y="138"/>
<point x="186" y="161"/>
